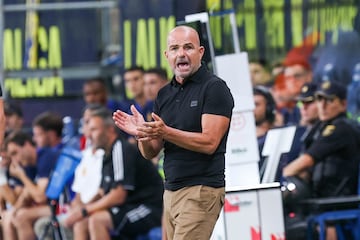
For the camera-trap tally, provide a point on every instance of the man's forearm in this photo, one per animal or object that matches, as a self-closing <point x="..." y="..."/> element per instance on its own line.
<point x="22" y="200"/>
<point x="305" y="161"/>
<point x="8" y="194"/>
<point x="150" y="149"/>
<point x="36" y="192"/>
<point x="114" y="197"/>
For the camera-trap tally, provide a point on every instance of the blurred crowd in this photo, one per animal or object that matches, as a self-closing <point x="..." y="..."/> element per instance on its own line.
<point x="324" y="157"/>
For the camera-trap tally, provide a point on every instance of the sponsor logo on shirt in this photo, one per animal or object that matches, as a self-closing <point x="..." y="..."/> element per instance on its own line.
<point x="107" y="178"/>
<point x="193" y="103"/>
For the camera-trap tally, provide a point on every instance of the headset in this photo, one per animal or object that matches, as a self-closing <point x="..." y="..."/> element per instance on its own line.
<point x="270" y="111"/>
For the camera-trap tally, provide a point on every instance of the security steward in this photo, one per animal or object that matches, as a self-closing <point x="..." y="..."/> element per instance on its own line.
<point x="334" y="153"/>
<point x="331" y="157"/>
<point x="309" y="113"/>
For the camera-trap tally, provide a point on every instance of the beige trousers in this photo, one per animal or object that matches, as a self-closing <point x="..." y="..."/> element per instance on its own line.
<point x="191" y="213"/>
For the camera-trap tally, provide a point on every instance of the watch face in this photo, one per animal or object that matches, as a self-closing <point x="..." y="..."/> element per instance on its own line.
<point x="84" y="212"/>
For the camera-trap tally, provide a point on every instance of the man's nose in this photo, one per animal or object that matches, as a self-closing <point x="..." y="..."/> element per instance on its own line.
<point x="180" y="52"/>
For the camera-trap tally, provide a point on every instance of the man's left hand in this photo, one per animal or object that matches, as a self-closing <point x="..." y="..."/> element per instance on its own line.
<point x="73" y="216"/>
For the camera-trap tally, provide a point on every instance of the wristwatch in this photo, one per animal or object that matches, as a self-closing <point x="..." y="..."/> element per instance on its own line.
<point x="84" y="212"/>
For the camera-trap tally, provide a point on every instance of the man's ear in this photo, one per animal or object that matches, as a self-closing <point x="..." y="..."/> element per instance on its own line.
<point x="202" y="50"/>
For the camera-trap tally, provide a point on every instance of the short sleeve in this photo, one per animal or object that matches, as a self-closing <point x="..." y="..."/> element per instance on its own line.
<point x="218" y="99"/>
<point x="130" y="156"/>
<point x="46" y="162"/>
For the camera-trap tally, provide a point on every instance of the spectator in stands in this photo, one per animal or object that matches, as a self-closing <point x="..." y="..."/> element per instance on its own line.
<point x="47" y="130"/>
<point x="14" y="117"/>
<point x="277" y="68"/>
<point x="297" y="72"/>
<point x="8" y="194"/>
<point x="303" y="134"/>
<point x="309" y="114"/>
<point x="134" y="84"/>
<point x="308" y="107"/>
<point x="95" y="92"/>
<point x="84" y="139"/>
<point x="154" y="80"/>
<point x="287" y="87"/>
<point x="259" y="72"/>
<point x="89" y="169"/>
<point x="264" y="113"/>
<point x="18" y="221"/>
<point x="131" y="189"/>
<point x="10" y="186"/>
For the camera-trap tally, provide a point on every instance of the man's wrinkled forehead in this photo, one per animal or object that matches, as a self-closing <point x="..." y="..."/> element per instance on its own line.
<point x="183" y="35"/>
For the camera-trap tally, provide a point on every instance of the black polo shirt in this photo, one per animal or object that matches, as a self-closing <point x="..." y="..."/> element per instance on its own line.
<point x="336" y="154"/>
<point x="126" y="167"/>
<point x="181" y="107"/>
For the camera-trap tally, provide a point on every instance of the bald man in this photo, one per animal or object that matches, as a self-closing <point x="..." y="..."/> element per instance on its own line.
<point x="191" y="121"/>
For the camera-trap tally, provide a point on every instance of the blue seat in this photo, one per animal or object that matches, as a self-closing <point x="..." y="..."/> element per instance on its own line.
<point x="343" y="220"/>
<point x="344" y="215"/>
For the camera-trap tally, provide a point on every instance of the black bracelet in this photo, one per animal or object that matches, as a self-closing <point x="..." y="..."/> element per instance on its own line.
<point x="84" y="212"/>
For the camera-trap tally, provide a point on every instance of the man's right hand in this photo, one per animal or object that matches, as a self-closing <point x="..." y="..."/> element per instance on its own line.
<point x="129" y="123"/>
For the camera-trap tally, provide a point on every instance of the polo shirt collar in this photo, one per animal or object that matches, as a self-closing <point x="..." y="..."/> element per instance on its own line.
<point x="196" y="77"/>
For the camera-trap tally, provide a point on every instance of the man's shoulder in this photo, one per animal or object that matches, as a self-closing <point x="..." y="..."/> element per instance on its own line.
<point x="123" y="145"/>
<point x="339" y="128"/>
<point x="351" y="126"/>
<point x="343" y="123"/>
<point x="47" y="152"/>
<point x="125" y="104"/>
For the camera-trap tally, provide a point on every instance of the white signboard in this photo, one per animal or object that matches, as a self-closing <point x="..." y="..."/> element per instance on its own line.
<point x="242" y="144"/>
<point x="242" y="152"/>
<point x="234" y="69"/>
<point x="244" y="174"/>
<point x="277" y="141"/>
<point x="271" y="214"/>
<point x="254" y="213"/>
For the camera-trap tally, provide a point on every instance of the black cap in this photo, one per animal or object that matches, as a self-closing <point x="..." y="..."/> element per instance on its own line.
<point x="331" y="90"/>
<point x="307" y="93"/>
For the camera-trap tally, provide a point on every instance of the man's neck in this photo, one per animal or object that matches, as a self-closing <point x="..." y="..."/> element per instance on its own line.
<point x="141" y="100"/>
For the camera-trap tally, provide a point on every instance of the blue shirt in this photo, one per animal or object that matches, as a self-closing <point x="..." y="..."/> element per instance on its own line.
<point x="46" y="161"/>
